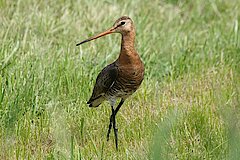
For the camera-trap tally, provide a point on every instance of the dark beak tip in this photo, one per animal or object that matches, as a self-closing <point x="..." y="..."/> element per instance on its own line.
<point x="82" y="42"/>
<point x="78" y="44"/>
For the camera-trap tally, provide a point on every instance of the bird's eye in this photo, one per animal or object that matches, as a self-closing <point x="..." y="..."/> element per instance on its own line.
<point x="122" y="23"/>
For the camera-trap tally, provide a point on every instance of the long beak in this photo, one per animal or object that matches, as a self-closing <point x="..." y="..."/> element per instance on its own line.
<point x="109" y="31"/>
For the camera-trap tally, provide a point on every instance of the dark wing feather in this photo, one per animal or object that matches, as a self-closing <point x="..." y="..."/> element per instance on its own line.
<point x="105" y="80"/>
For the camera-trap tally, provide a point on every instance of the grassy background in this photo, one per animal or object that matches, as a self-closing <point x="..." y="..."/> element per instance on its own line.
<point x="186" y="108"/>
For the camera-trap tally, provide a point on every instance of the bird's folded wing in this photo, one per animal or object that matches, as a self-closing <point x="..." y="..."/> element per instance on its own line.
<point x="104" y="82"/>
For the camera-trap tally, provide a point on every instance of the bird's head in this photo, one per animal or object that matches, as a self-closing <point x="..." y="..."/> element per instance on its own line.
<point x="123" y="25"/>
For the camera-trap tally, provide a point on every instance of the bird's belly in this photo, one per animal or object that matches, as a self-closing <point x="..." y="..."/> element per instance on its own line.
<point x="124" y="87"/>
<point x="120" y="93"/>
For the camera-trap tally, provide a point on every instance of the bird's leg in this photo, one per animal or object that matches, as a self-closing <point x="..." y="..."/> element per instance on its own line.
<point x="115" y="131"/>
<point x="114" y="123"/>
<point x="110" y="124"/>
<point x="118" y="107"/>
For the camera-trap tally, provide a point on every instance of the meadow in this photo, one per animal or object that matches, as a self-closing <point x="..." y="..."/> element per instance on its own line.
<point x="186" y="108"/>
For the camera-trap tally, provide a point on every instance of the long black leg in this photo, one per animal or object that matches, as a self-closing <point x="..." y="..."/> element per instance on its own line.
<point x="114" y="123"/>
<point x="119" y="106"/>
<point x="110" y="124"/>
<point x="115" y="131"/>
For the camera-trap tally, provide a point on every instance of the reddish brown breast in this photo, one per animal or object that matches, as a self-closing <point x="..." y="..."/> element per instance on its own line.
<point x="130" y="69"/>
<point x="130" y="66"/>
<point x="128" y="81"/>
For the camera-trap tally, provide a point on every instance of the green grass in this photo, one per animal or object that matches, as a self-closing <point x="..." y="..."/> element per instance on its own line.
<point x="186" y="108"/>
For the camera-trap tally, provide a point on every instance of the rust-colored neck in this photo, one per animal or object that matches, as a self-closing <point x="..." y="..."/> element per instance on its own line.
<point x="128" y="54"/>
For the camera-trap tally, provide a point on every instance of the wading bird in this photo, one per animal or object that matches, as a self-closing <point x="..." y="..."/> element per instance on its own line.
<point x="121" y="78"/>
